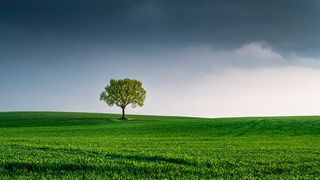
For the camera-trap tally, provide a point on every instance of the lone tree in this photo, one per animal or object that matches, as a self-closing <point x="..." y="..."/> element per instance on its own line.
<point x="122" y="92"/>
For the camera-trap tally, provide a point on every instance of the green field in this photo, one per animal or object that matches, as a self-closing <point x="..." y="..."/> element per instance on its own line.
<point x="97" y="146"/>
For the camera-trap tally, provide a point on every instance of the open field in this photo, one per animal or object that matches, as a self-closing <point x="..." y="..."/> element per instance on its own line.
<point x="97" y="146"/>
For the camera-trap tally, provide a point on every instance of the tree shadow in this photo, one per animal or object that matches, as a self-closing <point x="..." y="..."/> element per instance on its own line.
<point x="119" y="164"/>
<point x="93" y="154"/>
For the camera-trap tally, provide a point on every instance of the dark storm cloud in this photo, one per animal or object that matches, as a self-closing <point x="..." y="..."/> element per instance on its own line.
<point x="286" y="25"/>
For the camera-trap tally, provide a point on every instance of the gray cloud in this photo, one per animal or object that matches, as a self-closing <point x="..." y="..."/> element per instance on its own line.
<point x="285" y="25"/>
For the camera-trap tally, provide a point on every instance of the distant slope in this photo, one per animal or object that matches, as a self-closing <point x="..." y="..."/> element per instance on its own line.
<point x="38" y="119"/>
<point x="169" y="124"/>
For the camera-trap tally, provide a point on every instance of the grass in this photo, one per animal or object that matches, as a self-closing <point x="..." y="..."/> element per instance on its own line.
<point x="47" y="145"/>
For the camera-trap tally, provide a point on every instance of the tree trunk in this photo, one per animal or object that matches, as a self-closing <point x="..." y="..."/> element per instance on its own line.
<point x="123" y="117"/>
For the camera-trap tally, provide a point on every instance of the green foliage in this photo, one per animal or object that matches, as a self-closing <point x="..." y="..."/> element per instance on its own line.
<point x="98" y="146"/>
<point x="122" y="92"/>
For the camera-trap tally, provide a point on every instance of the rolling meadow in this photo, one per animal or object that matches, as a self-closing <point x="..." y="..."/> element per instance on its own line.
<point x="60" y="145"/>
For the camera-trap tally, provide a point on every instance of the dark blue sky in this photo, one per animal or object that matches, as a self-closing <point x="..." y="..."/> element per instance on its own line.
<point x="58" y="55"/>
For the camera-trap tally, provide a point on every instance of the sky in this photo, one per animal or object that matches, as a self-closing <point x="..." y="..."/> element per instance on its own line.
<point x="207" y="58"/>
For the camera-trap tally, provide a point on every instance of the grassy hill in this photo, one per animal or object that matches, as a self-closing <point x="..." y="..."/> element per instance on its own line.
<point x="97" y="146"/>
